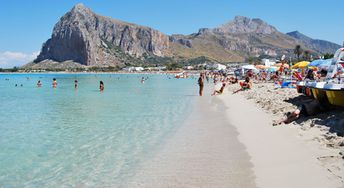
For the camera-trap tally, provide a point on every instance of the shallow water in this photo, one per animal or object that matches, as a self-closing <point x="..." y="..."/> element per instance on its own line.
<point x="81" y="137"/>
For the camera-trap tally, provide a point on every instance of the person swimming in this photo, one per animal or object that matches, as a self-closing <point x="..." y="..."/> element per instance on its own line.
<point x="39" y="83"/>
<point x="54" y="83"/>
<point x="101" y="86"/>
<point x="76" y="84"/>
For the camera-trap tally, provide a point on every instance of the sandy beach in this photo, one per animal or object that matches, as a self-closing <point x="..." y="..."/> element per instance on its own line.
<point x="203" y="152"/>
<point x="322" y="133"/>
<point x="229" y="141"/>
<point x="281" y="158"/>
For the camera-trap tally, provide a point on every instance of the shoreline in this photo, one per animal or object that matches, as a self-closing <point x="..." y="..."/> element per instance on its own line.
<point x="231" y="143"/>
<point x="203" y="152"/>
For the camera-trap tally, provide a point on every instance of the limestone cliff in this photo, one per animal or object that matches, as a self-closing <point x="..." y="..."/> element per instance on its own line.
<point x="90" y="39"/>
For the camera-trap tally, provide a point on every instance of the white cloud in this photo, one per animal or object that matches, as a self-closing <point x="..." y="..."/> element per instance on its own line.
<point x="10" y="59"/>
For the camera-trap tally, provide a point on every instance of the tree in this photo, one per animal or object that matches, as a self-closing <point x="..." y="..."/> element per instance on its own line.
<point x="173" y="66"/>
<point x="306" y="55"/>
<point x="253" y="60"/>
<point x="15" y="69"/>
<point x="298" y="51"/>
<point x="328" y="56"/>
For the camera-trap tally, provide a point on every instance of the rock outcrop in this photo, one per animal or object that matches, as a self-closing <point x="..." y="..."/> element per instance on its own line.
<point x="85" y="37"/>
<point x="242" y="24"/>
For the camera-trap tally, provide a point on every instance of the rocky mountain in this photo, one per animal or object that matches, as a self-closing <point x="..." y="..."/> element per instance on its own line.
<point x="90" y="39"/>
<point x="234" y="41"/>
<point x="317" y="45"/>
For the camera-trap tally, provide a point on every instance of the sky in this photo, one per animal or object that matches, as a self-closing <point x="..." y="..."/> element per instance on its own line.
<point x="26" y="25"/>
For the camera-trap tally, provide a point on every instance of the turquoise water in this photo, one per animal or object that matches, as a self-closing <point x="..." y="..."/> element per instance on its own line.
<point x="66" y="138"/>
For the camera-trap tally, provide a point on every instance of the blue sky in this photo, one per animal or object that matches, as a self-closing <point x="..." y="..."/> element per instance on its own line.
<point x="25" y="25"/>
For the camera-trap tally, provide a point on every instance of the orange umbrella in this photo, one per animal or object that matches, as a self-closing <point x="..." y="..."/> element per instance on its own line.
<point x="261" y="67"/>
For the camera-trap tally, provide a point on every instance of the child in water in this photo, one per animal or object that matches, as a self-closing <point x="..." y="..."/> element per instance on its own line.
<point x="101" y="86"/>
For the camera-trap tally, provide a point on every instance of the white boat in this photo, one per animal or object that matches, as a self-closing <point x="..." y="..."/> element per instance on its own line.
<point x="332" y="89"/>
<point x="334" y="86"/>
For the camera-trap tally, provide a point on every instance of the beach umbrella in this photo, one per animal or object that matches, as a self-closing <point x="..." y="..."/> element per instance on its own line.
<point x="318" y="62"/>
<point x="301" y="65"/>
<point x="261" y="67"/>
<point x="324" y="66"/>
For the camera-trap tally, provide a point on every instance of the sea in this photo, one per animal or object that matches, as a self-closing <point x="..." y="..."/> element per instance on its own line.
<point x="67" y="137"/>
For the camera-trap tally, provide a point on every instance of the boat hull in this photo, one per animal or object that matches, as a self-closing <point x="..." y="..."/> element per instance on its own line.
<point x="319" y="94"/>
<point x="308" y="91"/>
<point x="335" y="97"/>
<point x="335" y="93"/>
<point x="318" y="91"/>
<point x="300" y="87"/>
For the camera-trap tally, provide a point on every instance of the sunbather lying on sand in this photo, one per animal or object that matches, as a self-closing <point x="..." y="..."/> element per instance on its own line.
<point x="233" y="80"/>
<point x="244" y="85"/>
<point x="219" y="91"/>
<point x="311" y="108"/>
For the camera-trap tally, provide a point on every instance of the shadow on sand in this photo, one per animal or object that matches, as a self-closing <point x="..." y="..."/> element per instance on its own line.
<point x="333" y="117"/>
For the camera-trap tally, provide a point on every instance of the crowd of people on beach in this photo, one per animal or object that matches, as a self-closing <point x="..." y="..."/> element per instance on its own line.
<point x="278" y="78"/>
<point x="225" y="79"/>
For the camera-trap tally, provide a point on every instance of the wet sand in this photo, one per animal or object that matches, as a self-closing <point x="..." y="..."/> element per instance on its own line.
<point x="203" y="152"/>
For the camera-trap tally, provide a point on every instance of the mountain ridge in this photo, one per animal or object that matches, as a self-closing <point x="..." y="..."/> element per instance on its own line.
<point x="315" y="44"/>
<point x="90" y="39"/>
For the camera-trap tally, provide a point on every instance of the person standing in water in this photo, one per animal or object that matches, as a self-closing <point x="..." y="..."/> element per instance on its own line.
<point x="101" y="86"/>
<point x="142" y="80"/>
<point x="76" y="84"/>
<point x="201" y="84"/>
<point x="54" y="83"/>
<point x="39" y="83"/>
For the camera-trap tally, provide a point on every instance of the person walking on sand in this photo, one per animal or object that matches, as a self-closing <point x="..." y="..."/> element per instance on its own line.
<point x="101" y="86"/>
<point x="54" y="83"/>
<point x="201" y="84"/>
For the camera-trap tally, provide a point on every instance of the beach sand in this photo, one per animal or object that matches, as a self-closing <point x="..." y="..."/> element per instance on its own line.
<point x="229" y="141"/>
<point x="280" y="157"/>
<point x="322" y="133"/>
<point x="203" y="152"/>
